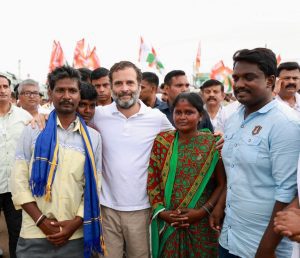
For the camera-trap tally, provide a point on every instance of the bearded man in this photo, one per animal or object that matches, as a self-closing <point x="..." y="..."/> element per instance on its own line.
<point x="128" y="129"/>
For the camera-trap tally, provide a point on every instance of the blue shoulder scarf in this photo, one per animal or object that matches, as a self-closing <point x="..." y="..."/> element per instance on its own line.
<point x="43" y="174"/>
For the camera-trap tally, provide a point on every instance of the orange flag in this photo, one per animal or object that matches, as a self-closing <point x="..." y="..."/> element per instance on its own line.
<point x="198" y="61"/>
<point x="57" y="58"/>
<point x="278" y="59"/>
<point x="92" y="61"/>
<point x="79" y="55"/>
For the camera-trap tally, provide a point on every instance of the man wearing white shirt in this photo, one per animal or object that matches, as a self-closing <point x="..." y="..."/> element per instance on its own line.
<point x="12" y="123"/>
<point x="289" y="81"/>
<point x="128" y="129"/>
<point x="212" y="92"/>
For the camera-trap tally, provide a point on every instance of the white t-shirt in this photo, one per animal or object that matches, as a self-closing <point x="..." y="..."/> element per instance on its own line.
<point x="218" y="122"/>
<point x="296" y="107"/>
<point x="127" y="144"/>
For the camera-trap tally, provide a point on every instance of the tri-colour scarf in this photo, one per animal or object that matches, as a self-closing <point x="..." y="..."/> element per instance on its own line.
<point x="43" y="174"/>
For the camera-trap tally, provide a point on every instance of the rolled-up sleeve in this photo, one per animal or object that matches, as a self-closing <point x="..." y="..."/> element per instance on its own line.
<point x="20" y="189"/>
<point x="284" y="151"/>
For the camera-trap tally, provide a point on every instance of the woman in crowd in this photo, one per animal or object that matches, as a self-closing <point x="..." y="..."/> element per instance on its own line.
<point x="186" y="177"/>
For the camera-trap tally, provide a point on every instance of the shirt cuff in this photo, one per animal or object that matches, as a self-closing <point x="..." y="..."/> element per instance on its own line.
<point x="80" y="210"/>
<point x="21" y="198"/>
<point x="285" y="196"/>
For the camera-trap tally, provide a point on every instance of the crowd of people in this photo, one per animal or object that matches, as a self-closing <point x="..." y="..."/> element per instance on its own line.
<point x="116" y="165"/>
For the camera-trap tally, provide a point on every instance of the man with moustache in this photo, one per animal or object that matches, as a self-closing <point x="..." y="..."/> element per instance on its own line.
<point x="12" y="123"/>
<point x="212" y="93"/>
<point x="29" y="97"/>
<point x="260" y="156"/>
<point x="175" y="83"/>
<point x="128" y="128"/>
<point x="289" y="80"/>
<point x="55" y="177"/>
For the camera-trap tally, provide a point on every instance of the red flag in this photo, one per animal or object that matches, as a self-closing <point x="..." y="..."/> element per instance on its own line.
<point x="57" y="58"/>
<point x="197" y="63"/>
<point x="79" y="56"/>
<point x="92" y="61"/>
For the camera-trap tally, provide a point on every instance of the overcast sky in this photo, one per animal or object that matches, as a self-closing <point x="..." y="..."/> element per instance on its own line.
<point x="173" y="27"/>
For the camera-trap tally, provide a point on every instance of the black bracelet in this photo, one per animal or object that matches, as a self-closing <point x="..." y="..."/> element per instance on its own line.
<point x="40" y="220"/>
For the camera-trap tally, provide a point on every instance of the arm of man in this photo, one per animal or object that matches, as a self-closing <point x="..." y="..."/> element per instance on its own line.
<point x="270" y="239"/>
<point x="165" y="123"/>
<point x="284" y="147"/>
<point x="68" y="227"/>
<point x="21" y="193"/>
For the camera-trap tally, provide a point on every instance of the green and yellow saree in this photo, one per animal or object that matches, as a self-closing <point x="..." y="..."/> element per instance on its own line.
<point x="181" y="176"/>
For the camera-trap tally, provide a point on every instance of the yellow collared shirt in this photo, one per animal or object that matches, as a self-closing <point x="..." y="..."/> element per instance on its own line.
<point x="68" y="185"/>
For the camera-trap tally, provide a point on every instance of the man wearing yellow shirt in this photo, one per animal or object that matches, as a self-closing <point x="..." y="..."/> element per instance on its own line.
<point x="55" y="179"/>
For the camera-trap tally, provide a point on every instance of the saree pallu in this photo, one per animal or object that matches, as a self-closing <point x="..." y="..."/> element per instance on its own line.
<point x="186" y="182"/>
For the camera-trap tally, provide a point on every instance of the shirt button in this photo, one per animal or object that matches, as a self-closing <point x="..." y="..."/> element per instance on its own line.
<point x="249" y="140"/>
<point x="228" y="205"/>
<point x="235" y="145"/>
<point x="229" y="227"/>
<point x="229" y="187"/>
<point x="242" y="126"/>
<point x="232" y="165"/>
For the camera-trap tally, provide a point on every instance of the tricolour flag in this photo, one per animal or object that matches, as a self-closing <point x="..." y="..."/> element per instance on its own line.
<point x="223" y="74"/>
<point x="148" y="55"/>
<point x="198" y="60"/>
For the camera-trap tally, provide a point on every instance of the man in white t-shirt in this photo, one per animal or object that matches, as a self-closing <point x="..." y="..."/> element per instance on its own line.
<point x="212" y="93"/>
<point x="289" y="83"/>
<point x="128" y="128"/>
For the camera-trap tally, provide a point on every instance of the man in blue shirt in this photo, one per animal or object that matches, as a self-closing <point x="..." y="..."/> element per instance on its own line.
<point x="260" y="155"/>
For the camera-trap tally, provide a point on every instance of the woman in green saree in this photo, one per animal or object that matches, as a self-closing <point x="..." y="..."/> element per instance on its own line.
<point x="185" y="180"/>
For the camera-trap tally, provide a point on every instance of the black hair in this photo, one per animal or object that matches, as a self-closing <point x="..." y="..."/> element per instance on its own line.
<point x="88" y="91"/>
<point x="63" y="72"/>
<point x="123" y="65"/>
<point x="85" y="74"/>
<point x="264" y="58"/>
<point x="210" y="83"/>
<point x="193" y="98"/>
<point x="3" y="76"/>
<point x="150" y="78"/>
<point x="170" y="75"/>
<point x="99" y="73"/>
<point x="287" y="66"/>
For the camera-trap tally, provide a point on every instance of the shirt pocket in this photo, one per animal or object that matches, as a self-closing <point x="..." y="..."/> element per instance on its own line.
<point x="250" y="148"/>
<point x="228" y="144"/>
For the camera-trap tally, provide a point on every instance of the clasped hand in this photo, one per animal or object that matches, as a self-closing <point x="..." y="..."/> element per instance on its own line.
<point x="182" y="218"/>
<point x="287" y="223"/>
<point x="59" y="232"/>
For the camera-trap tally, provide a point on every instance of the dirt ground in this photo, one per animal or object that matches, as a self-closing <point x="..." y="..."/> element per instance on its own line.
<point x="3" y="237"/>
